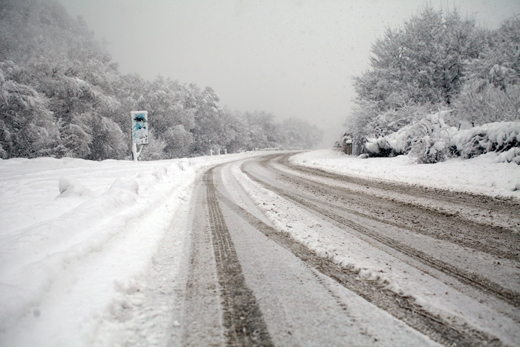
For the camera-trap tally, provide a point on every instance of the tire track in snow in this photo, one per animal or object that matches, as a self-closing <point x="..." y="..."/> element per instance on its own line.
<point x="242" y="317"/>
<point x="497" y="218"/>
<point x="476" y="281"/>
<point x="403" y="308"/>
<point x="202" y="309"/>
<point x="508" y="207"/>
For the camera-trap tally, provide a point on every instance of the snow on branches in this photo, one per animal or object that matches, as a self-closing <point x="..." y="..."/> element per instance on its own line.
<point x="432" y="141"/>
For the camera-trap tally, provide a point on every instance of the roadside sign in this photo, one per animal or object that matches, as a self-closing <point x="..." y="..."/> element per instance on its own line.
<point x="140" y="127"/>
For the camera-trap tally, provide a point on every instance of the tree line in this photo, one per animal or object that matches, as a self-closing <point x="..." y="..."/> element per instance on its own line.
<point x="61" y="95"/>
<point x="438" y="61"/>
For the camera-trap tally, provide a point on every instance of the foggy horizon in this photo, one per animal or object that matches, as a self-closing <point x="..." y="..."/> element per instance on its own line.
<point x="294" y="59"/>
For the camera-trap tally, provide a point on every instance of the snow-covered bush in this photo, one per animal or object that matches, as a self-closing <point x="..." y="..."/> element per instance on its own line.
<point x="492" y="137"/>
<point x="427" y="150"/>
<point x="154" y="149"/>
<point x="430" y="139"/>
<point x="391" y="145"/>
<point x="511" y="156"/>
<point x="378" y="147"/>
<point x="426" y="141"/>
<point x="395" y="119"/>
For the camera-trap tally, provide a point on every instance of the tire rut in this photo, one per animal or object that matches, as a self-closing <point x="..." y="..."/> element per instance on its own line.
<point x="242" y="318"/>
<point x="472" y="243"/>
<point x="499" y="242"/>
<point x="472" y="279"/>
<point x="376" y="292"/>
<point x="467" y="199"/>
<point x="202" y="309"/>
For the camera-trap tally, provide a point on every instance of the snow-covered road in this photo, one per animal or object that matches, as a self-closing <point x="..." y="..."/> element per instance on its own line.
<point x="250" y="250"/>
<point x="455" y="276"/>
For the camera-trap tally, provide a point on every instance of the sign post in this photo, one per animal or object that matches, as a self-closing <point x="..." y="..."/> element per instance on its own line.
<point x="139" y="131"/>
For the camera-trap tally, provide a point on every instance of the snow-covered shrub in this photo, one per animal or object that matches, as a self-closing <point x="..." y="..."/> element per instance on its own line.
<point x="426" y="141"/>
<point x="394" y="120"/>
<point x="428" y="150"/>
<point x="378" y="147"/>
<point x="511" y="156"/>
<point x="430" y="139"/>
<point x="492" y="137"/>
<point x="391" y="145"/>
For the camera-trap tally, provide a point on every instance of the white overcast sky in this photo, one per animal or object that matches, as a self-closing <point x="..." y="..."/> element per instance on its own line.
<point x="291" y="58"/>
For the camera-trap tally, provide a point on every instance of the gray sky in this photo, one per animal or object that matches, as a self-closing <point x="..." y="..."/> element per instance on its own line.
<point x="292" y="58"/>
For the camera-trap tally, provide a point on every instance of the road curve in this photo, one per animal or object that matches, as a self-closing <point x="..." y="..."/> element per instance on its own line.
<point x="289" y="256"/>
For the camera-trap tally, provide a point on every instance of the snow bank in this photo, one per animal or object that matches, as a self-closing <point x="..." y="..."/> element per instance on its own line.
<point x="75" y="233"/>
<point x="487" y="174"/>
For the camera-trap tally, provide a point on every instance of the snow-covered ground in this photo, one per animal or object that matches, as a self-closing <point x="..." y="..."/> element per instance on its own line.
<point x="75" y="234"/>
<point x="481" y="175"/>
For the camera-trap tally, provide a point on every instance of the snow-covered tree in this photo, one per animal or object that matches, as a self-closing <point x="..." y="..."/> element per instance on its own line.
<point x="178" y="141"/>
<point x="421" y="63"/>
<point x="300" y="134"/>
<point x="27" y="128"/>
<point x="263" y="132"/>
<point x="62" y="95"/>
<point x="491" y="90"/>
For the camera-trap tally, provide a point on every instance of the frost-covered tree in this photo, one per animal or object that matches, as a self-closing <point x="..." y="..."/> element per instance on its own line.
<point x="62" y="95"/>
<point x="498" y="62"/>
<point x="27" y="128"/>
<point x="208" y="120"/>
<point x="491" y="90"/>
<point x="263" y="131"/>
<point x="234" y="137"/>
<point x="77" y="104"/>
<point x="165" y="100"/>
<point x="300" y="134"/>
<point x="421" y="63"/>
<point x="63" y="64"/>
<point x="481" y="102"/>
<point x="178" y="141"/>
